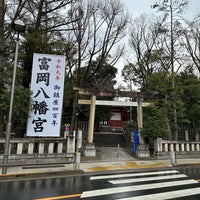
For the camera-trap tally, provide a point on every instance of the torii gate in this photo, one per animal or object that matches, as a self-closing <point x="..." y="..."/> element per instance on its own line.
<point x="93" y="102"/>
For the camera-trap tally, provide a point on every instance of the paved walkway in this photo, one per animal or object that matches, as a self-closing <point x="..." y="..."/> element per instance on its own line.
<point x="107" y="158"/>
<point x="114" y="158"/>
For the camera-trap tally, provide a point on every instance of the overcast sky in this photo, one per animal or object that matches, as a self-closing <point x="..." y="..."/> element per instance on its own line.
<point x="137" y="7"/>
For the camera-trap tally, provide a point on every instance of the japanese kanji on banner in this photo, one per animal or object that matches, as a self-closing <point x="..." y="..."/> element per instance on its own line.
<point x="47" y="86"/>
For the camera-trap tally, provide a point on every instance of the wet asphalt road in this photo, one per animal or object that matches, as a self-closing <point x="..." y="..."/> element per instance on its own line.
<point x="173" y="183"/>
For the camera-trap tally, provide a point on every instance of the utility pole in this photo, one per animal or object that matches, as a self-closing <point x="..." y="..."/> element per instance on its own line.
<point x="173" y="72"/>
<point x="19" y="27"/>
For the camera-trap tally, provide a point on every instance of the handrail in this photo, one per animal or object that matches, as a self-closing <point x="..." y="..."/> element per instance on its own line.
<point x="128" y="143"/>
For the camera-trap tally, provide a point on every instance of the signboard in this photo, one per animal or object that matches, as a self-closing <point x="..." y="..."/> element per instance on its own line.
<point x="47" y="86"/>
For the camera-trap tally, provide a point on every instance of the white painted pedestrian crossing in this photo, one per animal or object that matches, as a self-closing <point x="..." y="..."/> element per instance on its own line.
<point x="108" y="191"/>
<point x="169" y="184"/>
<point x="167" y="195"/>
<point x="133" y="174"/>
<point x="147" y="179"/>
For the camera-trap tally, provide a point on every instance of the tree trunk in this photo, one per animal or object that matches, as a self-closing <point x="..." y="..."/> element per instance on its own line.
<point x="74" y="114"/>
<point x="2" y="55"/>
<point x="168" y="127"/>
<point x="196" y="130"/>
<point x="2" y="42"/>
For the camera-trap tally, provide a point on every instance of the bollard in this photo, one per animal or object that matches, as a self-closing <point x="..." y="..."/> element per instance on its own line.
<point x="173" y="158"/>
<point x="77" y="160"/>
<point x="79" y="140"/>
<point x="118" y="151"/>
<point x="78" y="154"/>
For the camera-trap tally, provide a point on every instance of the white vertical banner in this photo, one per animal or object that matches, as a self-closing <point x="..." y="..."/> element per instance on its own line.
<point x="47" y="86"/>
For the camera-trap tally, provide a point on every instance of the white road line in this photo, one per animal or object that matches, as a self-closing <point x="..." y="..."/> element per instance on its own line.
<point x="166" y="195"/>
<point x="133" y="188"/>
<point x="136" y="180"/>
<point x="133" y="174"/>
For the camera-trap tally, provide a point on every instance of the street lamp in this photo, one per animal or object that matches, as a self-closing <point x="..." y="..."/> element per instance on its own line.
<point x="19" y="27"/>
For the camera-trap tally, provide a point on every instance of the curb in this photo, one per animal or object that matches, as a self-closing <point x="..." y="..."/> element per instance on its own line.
<point x="39" y="174"/>
<point x="186" y="164"/>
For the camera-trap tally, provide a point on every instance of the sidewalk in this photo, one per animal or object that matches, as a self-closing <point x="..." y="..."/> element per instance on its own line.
<point x="107" y="158"/>
<point x="113" y="158"/>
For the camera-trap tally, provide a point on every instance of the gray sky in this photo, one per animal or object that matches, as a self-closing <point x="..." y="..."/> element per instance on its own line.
<point x="137" y="7"/>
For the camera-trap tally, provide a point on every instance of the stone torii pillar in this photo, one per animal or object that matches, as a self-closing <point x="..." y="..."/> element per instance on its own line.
<point x="142" y="148"/>
<point x="91" y="120"/>
<point x="90" y="150"/>
<point x="140" y="119"/>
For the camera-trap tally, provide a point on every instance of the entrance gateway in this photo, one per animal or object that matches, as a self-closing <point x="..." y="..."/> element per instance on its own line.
<point x="90" y="147"/>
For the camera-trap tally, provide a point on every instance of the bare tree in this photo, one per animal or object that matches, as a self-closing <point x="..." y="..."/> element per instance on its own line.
<point x="191" y="41"/>
<point x="99" y="28"/>
<point x="157" y="47"/>
<point x="147" y="48"/>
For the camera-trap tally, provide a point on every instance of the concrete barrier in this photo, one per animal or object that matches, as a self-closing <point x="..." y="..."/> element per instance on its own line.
<point x="163" y="148"/>
<point x="40" y="149"/>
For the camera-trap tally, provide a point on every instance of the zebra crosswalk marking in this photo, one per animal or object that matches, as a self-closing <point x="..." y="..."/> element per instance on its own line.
<point x="116" y="190"/>
<point x="156" y="185"/>
<point x="166" y="195"/>
<point x="133" y="174"/>
<point x="136" y="180"/>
